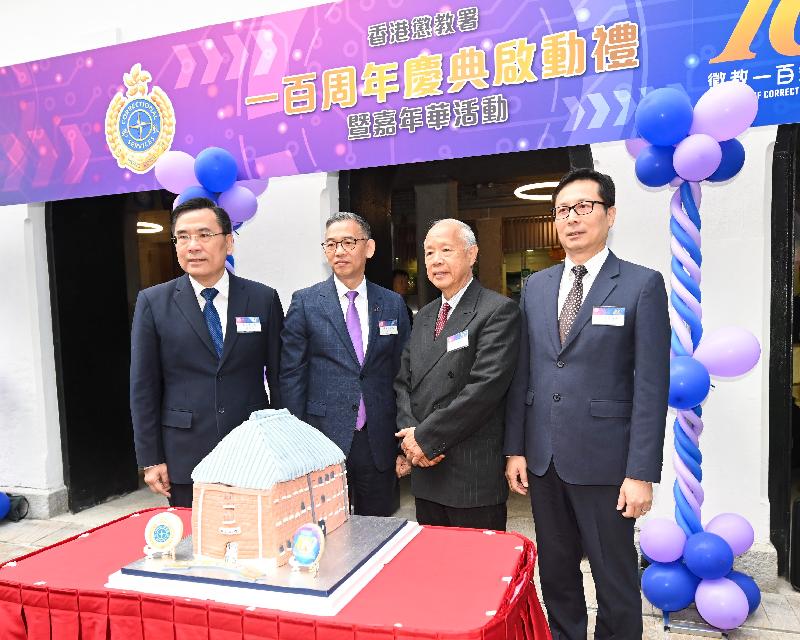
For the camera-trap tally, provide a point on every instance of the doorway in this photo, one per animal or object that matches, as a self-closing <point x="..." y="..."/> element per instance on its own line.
<point x="101" y="252"/>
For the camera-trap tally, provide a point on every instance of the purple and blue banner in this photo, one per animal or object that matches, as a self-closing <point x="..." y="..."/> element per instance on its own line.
<point x="362" y="83"/>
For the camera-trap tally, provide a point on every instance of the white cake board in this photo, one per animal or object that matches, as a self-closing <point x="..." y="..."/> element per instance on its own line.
<point x="283" y="601"/>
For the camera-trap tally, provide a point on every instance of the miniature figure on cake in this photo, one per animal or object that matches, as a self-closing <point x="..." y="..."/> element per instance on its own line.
<point x="269" y="476"/>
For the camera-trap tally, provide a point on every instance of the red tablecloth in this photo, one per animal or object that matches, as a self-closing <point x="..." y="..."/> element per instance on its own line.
<point x="446" y="583"/>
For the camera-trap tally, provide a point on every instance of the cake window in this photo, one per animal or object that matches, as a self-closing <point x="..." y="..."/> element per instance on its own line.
<point x="280" y="549"/>
<point x="322" y="499"/>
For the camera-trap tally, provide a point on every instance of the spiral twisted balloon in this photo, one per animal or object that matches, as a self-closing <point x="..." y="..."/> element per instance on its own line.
<point x="686" y="315"/>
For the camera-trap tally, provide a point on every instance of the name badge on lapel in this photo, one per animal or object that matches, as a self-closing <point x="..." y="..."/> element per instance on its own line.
<point x="248" y="324"/>
<point x="387" y="327"/>
<point x="458" y="341"/>
<point x="609" y="316"/>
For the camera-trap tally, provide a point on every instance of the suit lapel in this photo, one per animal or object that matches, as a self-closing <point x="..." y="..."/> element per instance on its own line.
<point x="329" y="301"/>
<point x="602" y="287"/>
<point x="187" y="304"/>
<point x="459" y="319"/>
<point x="550" y="305"/>
<point x="375" y="301"/>
<point x="237" y="307"/>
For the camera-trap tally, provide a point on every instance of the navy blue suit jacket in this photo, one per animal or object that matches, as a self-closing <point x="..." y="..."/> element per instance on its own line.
<point x="184" y="399"/>
<point x="321" y="380"/>
<point x="597" y="405"/>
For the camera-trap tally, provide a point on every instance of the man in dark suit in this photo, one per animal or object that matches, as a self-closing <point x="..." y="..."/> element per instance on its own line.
<point x="342" y="342"/>
<point x="200" y="346"/>
<point x="586" y="412"/>
<point x="452" y="385"/>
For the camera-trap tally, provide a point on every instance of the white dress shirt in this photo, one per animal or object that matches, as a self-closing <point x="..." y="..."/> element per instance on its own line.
<point x="456" y="298"/>
<point x="361" y="303"/>
<point x="220" y="300"/>
<point x="593" y="266"/>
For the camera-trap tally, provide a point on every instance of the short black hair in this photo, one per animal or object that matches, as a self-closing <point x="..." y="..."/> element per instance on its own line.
<point x="344" y="216"/>
<point x="605" y="185"/>
<point x="193" y="204"/>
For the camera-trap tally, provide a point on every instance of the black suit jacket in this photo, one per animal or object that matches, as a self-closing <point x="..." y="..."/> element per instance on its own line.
<point x="184" y="399"/>
<point x="455" y="399"/>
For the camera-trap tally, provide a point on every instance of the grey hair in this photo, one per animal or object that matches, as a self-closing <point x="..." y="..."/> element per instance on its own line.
<point x="467" y="233"/>
<point x="344" y="216"/>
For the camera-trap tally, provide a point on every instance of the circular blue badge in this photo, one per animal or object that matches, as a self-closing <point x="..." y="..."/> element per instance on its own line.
<point x="140" y="124"/>
<point x="161" y="533"/>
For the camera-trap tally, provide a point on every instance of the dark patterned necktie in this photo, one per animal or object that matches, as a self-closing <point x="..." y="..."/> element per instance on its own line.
<point x="573" y="302"/>
<point x="441" y="320"/>
<point x="211" y="315"/>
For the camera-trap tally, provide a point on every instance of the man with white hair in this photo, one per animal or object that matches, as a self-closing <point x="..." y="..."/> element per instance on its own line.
<point x="454" y="375"/>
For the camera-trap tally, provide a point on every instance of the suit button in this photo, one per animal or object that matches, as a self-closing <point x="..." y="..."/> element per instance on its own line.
<point x="556" y="397"/>
<point x="221" y="409"/>
<point x="219" y="377"/>
<point x="560" y="364"/>
<point x="361" y="376"/>
<point x="450" y="374"/>
<point x="355" y="407"/>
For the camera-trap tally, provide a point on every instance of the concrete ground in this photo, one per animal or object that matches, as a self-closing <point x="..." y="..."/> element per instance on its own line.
<point x="778" y="617"/>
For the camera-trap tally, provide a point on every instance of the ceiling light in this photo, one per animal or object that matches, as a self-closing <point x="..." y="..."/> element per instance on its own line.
<point x="521" y="192"/>
<point x="148" y="227"/>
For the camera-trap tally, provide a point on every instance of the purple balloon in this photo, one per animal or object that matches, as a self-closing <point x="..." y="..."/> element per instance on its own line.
<point x="728" y="352"/>
<point x="725" y="110"/>
<point x="192" y="192"/>
<point x="635" y="146"/>
<point x="240" y="203"/>
<point x="662" y="540"/>
<point x="721" y="603"/>
<point x="733" y="529"/>
<point x="256" y="185"/>
<point x="697" y="157"/>
<point x="175" y="171"/>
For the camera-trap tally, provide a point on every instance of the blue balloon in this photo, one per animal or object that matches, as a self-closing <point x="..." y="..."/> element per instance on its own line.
<point x="193" y="192"/>
<point x="732" y="161"/>
<point x="689" y="383"/>
<point x="215" y="169"/>
<point x="750" y="588"/>
<point x="708" y="556"/>
<point x="669" y="586"/>
<point x="664" y="116"/>
<point x="5" y="505"/>
<point x="654" y="166"/>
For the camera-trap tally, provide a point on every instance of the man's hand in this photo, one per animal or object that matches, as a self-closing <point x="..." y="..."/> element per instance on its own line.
<point x="157" y="478"/>
<point x="517" y="474"/>
<point x="636" y="497"/>
<point x="413" y="451"/>
<point x="402" y="467"/>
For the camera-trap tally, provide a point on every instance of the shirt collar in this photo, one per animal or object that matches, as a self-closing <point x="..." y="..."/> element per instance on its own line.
<point x="341" y="287"/>
<point x="457" y="297"/>
<point x="593" y="264"/>
<point x="222" y="286"/>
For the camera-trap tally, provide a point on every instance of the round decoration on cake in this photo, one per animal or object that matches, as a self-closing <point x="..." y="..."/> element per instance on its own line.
<point x="163" y="533"/>
<point x="308" y="544"/>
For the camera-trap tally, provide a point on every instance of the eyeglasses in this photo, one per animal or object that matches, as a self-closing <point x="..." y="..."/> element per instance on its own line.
<point x="182" y="239"/>
<point x="349" y="244"/>
<point x="582" y="208"/>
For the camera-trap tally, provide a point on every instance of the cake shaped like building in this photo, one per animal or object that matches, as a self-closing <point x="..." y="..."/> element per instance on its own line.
<point x="266" y="478"/>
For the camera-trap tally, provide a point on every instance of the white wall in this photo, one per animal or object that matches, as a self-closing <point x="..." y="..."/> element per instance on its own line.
<point x="735" y="291"/>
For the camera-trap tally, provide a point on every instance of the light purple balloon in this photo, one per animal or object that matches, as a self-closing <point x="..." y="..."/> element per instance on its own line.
<point x="240" y="203"/>
<point x="662" y="540"/>
<point x="175" y="171"/>
<point x="256" y="185"/>
<point x="721" y="603"/>
<point x="728" y="351"/>
<point x="696" y="157"/>
<point x="635" y="146"/>
<point x="734" y="529"/>
<point x="725" y="110"/>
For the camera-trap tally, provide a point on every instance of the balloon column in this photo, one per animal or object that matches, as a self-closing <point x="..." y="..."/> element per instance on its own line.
<point x="682" y="146"/>
<point x="211" y="175"/>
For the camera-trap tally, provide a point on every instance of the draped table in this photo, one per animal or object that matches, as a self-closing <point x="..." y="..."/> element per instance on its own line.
<point x="446" y="583"/>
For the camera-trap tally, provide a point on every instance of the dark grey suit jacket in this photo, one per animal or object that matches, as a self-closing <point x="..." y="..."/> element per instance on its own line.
<point x="597" y="405"/>
<point x="184" y="399"/>
<point x="455" y="399"/>
<point x="321" y="380"/>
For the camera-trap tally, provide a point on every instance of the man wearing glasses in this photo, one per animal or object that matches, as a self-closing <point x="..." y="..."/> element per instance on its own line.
<point x="342" y="342"/>
<point x="586" y="412"/>
<point x="200" y="346"/>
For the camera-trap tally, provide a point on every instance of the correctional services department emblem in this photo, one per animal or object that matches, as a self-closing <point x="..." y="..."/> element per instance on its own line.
<point x="139" y="126"/>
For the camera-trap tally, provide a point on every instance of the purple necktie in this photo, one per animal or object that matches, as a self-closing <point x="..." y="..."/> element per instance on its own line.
<point x="353" y="323"/>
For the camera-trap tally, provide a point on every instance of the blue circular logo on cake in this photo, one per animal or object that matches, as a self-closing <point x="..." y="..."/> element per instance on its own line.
<point x="161" y="533"/>
<point x="139" y="124"/>
<point x="308" y="543"/>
